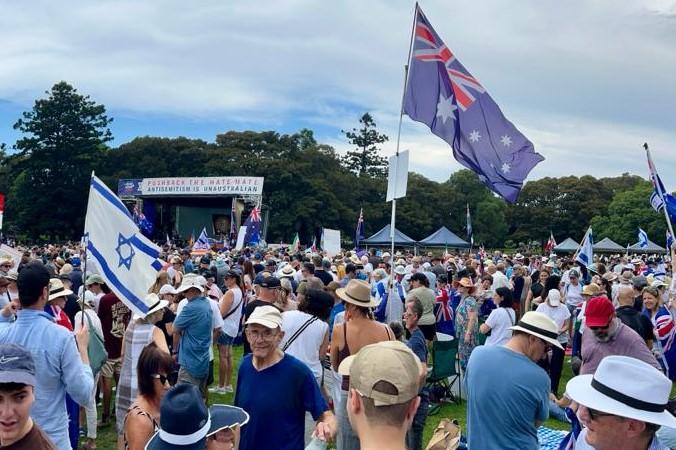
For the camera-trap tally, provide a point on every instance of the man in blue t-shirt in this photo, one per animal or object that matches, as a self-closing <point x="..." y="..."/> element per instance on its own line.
<point x="418" y="344"/>
<point x="194" y="325"/>
<point x="507" y="391"/>
<point x="277" y="389"/>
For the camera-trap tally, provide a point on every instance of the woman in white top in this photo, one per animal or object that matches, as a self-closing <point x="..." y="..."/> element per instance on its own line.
<point x="231" y="310"/>
<point x="560" y="314"/>
<point x="501" y="318"/>
<point x="93" y="323"/>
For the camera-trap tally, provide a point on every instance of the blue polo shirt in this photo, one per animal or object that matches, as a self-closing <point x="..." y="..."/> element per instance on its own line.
<point x="276" y="399"/>
<point x="195" y="322"/>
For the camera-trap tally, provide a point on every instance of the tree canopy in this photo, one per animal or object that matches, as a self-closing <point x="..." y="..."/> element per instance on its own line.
<point x="308" y="185"/>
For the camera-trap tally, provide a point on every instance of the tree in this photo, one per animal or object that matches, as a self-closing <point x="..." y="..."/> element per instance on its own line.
<point x="64" y="136"/>
<point x="365" y="159"/>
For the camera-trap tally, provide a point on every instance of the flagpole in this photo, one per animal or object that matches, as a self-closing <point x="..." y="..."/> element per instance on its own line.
<point x="659" y="190"/>
<point x="84" y="266"/>
<point x="401" y="118"/>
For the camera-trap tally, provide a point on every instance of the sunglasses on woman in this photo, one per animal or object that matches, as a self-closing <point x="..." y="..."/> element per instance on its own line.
<point x="172" y="378"/>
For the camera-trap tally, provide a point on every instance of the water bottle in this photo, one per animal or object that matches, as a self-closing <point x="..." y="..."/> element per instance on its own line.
<point x="316" y="444"/>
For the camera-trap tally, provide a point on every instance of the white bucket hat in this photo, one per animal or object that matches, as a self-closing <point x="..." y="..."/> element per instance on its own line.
<point x="644" y="398"/>
<point x="539" y="325"/>
<point x="190" y="282"/>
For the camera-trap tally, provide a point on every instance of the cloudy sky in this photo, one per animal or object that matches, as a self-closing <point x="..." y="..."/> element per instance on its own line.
<point x="587" y="81"/>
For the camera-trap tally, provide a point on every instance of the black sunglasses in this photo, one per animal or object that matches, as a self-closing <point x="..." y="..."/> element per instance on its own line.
<point x="172" y="378"/>
<point x="594" y="414"/>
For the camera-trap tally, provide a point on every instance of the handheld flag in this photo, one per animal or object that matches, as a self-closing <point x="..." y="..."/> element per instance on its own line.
<point x="313" y="248"/>
<point x="670" y="241"/>
<point x="191" y="239"/>
<point x="127" y="259"/>
<point x="443" y="95"/>
<point x="470" y="234"/>
<point x="168" y="242"/>
<point x="2" y="207"/>
<point x="295" y="245"/>
<point x="551" y="243"/>
<point x="359" y="234"/>
<point x="659" y="198"/>
<point x="642" y="238"/>
<point x="202" y="243"/>
<point x="585" y="253"/>
<point x="253" y="227"/>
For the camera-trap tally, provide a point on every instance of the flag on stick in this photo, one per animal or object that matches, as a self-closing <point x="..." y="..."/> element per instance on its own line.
<point x="253" y="227"/>
<point x="642" y="238"/>
<point x="585" y="253"/>
<point x="359" y="234"/>
<point x="443" y="95"/>
<point x="202" y="243"/>
<point x="470" y="233"/>
<point x="295" y="245"/>
<point x="127" y="259"/>
<point x="551" y="243"/>
<point x="670" y="241"/>
<point x="2" y="207"/>
<point x="313" y="248"/>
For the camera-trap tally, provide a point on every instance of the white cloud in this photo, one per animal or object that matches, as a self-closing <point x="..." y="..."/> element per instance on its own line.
<point x="588" y="82"/>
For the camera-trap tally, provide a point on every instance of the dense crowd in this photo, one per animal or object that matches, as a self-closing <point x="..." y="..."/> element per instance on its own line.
<point x="336" y="349"/>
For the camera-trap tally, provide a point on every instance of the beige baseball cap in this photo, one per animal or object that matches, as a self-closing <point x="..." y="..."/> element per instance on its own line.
<point x="389" y="361"/>
<point x="268" y="316"/>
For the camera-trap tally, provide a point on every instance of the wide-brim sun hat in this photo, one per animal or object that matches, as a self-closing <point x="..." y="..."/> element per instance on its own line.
<point x="154" y="304"/>
<point x="357" y="292"/>
<point x="540" y="326"/>
<point x="57" y="289"/>
<point x="645" y="398"/>
<point x="190" y="283"/>
<point x="226" y="416"/>
<point x="464" y="282"/>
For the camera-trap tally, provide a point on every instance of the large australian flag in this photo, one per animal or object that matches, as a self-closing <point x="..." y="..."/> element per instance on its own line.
<point x="442" y="94"/>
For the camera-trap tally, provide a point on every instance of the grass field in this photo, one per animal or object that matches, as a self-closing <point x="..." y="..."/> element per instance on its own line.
<point x="107" y="438"/>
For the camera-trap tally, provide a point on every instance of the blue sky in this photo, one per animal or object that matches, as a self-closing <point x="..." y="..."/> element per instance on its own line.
<point x="587" y="81"/>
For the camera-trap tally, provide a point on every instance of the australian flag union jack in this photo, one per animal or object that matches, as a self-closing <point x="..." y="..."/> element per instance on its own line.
<point x="253" y="227"/>
<point x="442" y="94"/>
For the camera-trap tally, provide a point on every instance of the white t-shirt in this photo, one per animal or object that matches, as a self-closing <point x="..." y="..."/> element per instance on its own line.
<point x="500" y="319"/>
<point x="216" y="321"/>
<point x="558" y="314"/>
<point x="499" y="280"/>
<point x="573" y="294"/>
<point x="231" y="323"/>
<point x="306" y="346"/>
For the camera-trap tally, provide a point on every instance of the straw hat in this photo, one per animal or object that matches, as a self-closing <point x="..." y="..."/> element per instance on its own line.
<point x="591" y="289"/>
<point x="357" y="292"/>
<point x="538" y="325"/>
<point x="465" y="282"/>
<point x="57" y="289"/>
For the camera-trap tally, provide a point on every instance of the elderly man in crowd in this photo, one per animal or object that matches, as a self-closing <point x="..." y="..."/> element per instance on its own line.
<point x="277" y="389"/>
<point x="622" y="405"/>
<point x="604" y="335"/>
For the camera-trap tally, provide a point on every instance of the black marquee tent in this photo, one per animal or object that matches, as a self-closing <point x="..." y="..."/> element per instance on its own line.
<point x="382" y="237"/>
<point x="567" y="246"/>
<point x="443" y="237"/>
<point x="606" y="245"/>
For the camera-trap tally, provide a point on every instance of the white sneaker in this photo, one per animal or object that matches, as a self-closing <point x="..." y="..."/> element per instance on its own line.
<point x="217" y="390"/>
<point x="228" y="389"/>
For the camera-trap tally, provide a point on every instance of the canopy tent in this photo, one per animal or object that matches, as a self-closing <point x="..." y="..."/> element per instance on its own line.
<point x="443" y="237"/>
<point x="651" y="248"/>
<point x="382" y="237"/>
<point x="606" y="245"/>
<point x="567" y="246"/>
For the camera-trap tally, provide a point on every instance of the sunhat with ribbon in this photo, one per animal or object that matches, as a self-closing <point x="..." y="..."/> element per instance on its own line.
<point x="57" y="289"/>
<point x="609" y="390"/>
<point x="539" y="325"/>
<point x="357" y="292"/>
<point x="464" y="282"/>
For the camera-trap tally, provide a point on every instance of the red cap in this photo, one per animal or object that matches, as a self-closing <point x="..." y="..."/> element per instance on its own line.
<point x="598" y="312"/>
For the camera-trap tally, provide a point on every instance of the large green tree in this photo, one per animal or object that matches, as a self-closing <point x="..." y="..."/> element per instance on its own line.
<point x="64" y="136"/>
<point x="365" y="159"/>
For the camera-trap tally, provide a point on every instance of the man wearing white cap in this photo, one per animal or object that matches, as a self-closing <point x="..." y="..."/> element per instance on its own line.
<point x="276" y="389"/>
<point x="505" y="412"/>
<point x="618" y="414"/>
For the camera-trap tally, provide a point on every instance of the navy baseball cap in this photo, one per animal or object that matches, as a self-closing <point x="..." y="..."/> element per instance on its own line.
<point x="16" y="365"/>
<point x="270" y="282"/>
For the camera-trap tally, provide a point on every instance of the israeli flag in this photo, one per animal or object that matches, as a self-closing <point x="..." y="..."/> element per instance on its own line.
<point x="127" y="259"/>
<point x="202" y="242"/>
<point x="642" y="238"/>
<point x="585" y="253"/>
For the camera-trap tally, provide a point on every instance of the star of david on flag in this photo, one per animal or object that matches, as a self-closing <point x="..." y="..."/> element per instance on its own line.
<point x="642" y="238"/>
<point x="127" y="259"/>
<point x="442" y="94"/>
<point x="585" y="253"/>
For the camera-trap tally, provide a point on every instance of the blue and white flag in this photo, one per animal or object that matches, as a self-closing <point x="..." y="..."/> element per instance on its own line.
<point x="127" y="259"/>
<point x="443" y="95"/>
<point x="660" y="197"/>
<point x="585" y="253"/>
<point x="642" y="238"/>
<point x="670" y="241"/>
<point x="470" y="232"/>
<point x="202" y="242"/>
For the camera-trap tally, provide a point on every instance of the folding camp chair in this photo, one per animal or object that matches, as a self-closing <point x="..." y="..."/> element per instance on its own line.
<point x="445" y="372"/>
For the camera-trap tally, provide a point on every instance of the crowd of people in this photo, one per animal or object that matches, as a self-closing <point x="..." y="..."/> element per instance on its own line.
<point x="335" y="349"/>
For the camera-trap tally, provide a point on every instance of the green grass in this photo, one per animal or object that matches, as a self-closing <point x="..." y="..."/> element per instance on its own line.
<point x="107" y="438"/>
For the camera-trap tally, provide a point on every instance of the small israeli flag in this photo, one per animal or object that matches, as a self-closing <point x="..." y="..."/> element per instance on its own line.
<point x="127" y="259"/>
<point x="202" y="242"/>
<point x="585" y="253"/>
<point x="642" y="238"/>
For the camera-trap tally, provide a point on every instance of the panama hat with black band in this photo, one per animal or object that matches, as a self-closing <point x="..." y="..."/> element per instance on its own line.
<point x="539" y="325"/>
<point x="357" y="292"/>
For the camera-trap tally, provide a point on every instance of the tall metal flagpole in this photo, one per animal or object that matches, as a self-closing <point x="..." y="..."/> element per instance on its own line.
<point x="658" y="189"/>
<point x="85" y="242"/>
<point x="401" y="117"/>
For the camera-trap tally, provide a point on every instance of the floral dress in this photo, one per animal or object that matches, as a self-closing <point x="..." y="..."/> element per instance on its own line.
<point x="467" y="305"/>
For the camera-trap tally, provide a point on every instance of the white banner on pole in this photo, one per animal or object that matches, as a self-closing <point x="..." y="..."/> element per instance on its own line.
<point x="331" y="242"/>
<point x="240" y="238"/>
<point x="397" y="176"/>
